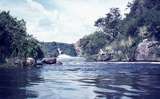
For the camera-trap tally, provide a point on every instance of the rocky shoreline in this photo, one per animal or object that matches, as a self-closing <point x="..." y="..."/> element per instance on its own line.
<point x="28" y="62"/>
<point x="146" y="51"/>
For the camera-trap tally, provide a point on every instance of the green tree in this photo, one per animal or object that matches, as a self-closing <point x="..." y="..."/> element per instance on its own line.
<point x="91" y="44"/>
<point x="14" y="40"/>
<point x="110" y="23"/>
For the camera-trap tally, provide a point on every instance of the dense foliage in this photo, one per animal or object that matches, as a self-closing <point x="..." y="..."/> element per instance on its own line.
<point x="91" y="44"/>
<point x="124" y="35"/>
<point x="14" y="40"/>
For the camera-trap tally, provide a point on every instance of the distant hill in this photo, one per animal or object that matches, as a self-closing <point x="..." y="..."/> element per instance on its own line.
<point x="50" y="49"/>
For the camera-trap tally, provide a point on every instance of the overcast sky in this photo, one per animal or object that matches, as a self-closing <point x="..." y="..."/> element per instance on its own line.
<point x="60" y="20"/>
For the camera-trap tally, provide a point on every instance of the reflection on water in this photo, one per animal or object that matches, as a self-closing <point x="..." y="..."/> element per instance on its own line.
<point x="82" y="81"/>
<point x="13" y="83"/>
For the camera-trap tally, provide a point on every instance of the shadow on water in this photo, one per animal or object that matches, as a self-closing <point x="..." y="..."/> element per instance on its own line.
<point x="14" y="83"/>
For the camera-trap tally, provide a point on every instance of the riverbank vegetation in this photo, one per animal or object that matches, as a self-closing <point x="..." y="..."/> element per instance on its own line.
<point x="15" y="42"/>
<point x="135" y="37"/>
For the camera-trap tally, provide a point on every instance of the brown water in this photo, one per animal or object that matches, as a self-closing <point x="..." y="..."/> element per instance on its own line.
<point x="82" y="81"/>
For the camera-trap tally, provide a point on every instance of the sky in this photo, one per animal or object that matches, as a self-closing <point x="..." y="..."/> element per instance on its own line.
<point x="60" y="20"/>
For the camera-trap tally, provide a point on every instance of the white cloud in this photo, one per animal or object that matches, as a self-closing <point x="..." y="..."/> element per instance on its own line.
<point x="67" y="22"/>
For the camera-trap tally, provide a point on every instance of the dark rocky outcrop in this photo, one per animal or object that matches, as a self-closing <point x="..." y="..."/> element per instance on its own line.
<point x="49" y="60"/>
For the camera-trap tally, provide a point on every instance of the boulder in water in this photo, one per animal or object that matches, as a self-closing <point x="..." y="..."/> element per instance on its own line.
<point x="30" y="61"/>
<point x="49" y="60"/>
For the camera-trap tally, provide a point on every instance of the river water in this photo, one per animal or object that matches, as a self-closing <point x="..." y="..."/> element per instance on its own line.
<point x="84" y="80"/>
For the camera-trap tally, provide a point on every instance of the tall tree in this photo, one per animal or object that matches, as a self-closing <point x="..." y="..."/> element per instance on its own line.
<point x="110" y="23"/>
<point x="14" y="40"/>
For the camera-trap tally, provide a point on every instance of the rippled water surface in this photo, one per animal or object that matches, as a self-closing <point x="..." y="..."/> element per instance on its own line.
<point x="82" y="81"/>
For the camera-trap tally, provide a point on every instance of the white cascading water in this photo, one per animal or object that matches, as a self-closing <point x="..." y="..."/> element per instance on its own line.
<point x="64" y="58"/>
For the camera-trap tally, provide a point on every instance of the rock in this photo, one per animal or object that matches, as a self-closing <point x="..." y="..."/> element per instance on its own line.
<point x="104" y="57"/>
<point x="16" y="62"/>
<point x="148" y="51"/>
<point x="49" y="60"/>
<point x="21" y="62"/>
<point x="30" y="61"/>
